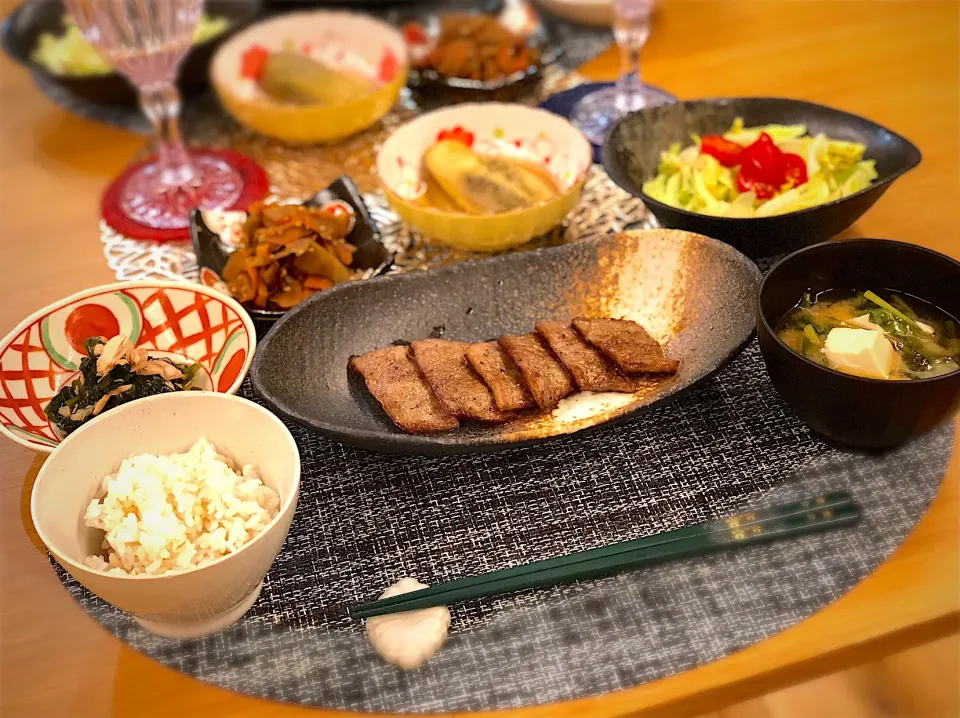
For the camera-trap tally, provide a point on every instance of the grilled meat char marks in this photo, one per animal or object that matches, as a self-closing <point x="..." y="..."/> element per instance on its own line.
<point x="428" y="386"/>
<point x="627" y="344"/>
<point x="502" y="376"/>
<point x="590" y="369"/>
<point x="546" y="378"/>
<point x="444" y="365"/>
<point x="395" y="382"/>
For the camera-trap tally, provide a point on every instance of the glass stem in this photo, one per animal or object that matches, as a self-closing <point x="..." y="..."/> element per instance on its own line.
<point x="161" y="104"/>
<point x="629" y="81"/>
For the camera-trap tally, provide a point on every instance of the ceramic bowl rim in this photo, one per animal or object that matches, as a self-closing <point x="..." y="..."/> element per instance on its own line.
<point x="79" y="435"/>
<point x="863" y="242"/>
<point x="423" y="79"/>
<point x="248" y="327"/>
<point x="223" y="84"/>
<point x="254" y="8"/>
<point x="916" y="159"/>
<point x="466" y="107"/>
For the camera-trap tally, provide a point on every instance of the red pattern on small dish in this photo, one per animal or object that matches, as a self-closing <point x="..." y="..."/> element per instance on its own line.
<point x="230" y="371"/>
<point x="43" y="353"/>
<point x="90" y="320"/>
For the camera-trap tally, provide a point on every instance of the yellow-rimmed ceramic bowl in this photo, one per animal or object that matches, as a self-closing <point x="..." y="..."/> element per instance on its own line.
<point x="498" y="129"/>
<point x="345" y="39"/>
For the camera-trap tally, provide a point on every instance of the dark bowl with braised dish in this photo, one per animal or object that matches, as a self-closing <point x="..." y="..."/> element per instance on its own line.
<point x="277" y="255"/>
<point x="767" y="175"/>
<point x="475" y="57"/>
<point x="33" y="35"/>
<point x="862" y="339"/>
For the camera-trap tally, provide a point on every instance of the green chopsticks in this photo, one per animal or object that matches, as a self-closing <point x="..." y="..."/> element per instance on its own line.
<point x="820" y="513"/>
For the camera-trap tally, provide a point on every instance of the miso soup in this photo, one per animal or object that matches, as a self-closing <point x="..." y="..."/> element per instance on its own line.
<point x="880" y="335"/>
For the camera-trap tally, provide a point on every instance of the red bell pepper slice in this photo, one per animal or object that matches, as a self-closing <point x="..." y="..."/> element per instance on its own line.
<point x="762" y="161"/>
<point x="762" y="190"/>
<point x="389" y="66"/>
<point x="726" y="152"/>
<point x="253" y="62"/>
<point x="414" y="34"/>
<point x="795" y="169"/>
<point x="766" y="169"/>
<point x="458" y="134"/>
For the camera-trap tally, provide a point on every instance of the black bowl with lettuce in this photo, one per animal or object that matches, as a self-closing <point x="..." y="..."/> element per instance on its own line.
<point x="640" y="143"/>
<point x="22" y="30"/>
<point x="860" y="411"/>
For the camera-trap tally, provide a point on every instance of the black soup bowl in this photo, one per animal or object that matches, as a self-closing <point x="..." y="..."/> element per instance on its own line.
<point x="22" y="29"/>
<point x="847" y="409"/>
<point x="631" y="156"/>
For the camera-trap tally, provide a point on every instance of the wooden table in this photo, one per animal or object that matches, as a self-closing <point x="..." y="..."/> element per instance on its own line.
<point x="895" y="62"/>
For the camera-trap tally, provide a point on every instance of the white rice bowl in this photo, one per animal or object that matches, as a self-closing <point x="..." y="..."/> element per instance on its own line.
<point x="177" y="512"/>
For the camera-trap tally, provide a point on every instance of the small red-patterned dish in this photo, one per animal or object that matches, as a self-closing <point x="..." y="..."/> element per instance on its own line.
<point x="170" y="319"/>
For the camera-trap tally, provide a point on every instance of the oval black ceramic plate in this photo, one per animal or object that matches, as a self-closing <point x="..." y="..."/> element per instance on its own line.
<point x="631" y="155"/>
<point x="695" y="293"/>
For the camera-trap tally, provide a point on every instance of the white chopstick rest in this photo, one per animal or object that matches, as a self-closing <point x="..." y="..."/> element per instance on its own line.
<point x="410" y="638"/>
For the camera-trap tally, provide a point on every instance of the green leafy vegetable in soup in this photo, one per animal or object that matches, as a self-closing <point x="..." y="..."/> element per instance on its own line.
<point x="866" y="334"/>
<point x="113" y="373"/>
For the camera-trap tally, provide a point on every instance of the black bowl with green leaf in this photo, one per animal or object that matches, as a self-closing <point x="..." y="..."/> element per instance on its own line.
<point x="370" y="259"/>
<point x="851" y="410"/>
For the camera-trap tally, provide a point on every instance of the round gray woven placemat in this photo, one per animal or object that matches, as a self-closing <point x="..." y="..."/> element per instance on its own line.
<point x="364" y="520"/>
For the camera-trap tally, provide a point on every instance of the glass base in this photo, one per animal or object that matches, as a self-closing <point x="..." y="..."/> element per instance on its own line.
<point x="152" y="200"/>
<point x="596" y="113"/>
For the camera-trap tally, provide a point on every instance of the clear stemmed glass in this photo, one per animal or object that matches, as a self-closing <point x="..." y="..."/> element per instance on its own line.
<point x="146" y="40"/>
<point x="595" y="113"/>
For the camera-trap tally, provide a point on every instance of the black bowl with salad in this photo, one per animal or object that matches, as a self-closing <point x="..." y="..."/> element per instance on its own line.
<point x="862" y="339"/>
<point x="40" y="35"/>
<point x="767" y="175"/>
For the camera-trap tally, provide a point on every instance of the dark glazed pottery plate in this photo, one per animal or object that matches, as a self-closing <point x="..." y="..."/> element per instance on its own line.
<point x="632" y="153"/>
<point x="694" y="293"/>
<point x="371" y="256"/>
<point x="22" y="29"/>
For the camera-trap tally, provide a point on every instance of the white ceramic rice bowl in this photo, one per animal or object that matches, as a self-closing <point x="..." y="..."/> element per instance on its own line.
<point x="183" y="604"/>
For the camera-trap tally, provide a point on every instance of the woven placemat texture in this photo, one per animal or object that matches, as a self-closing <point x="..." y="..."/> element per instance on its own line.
<point x="365" y="520"/>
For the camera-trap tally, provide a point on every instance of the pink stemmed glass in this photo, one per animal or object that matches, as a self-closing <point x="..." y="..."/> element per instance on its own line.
<point x="596" y="113"/>
<point x="146" y="40"/>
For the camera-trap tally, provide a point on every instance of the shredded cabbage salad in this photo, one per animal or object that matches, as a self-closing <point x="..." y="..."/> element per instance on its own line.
<point x="697" y="182"/>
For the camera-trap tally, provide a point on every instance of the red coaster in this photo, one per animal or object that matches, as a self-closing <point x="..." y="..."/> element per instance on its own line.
<point x="255" y="186"/>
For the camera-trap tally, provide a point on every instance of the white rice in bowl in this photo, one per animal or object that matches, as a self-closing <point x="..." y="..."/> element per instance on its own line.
<point x="177" y="512"/>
